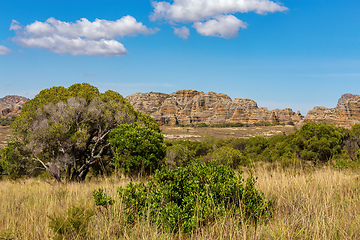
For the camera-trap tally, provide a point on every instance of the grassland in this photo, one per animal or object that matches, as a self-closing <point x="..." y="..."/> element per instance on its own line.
<point x="316" y="204"/>
<point x="197" y="133"/>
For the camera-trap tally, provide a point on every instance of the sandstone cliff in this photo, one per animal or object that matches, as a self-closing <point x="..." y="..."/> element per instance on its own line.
<point x="10" y="106"/>
<point x="345" y="114"/>
<point x="191" y="107"/>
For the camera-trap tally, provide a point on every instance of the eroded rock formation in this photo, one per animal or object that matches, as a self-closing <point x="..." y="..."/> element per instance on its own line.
<point x="191" y="107"/>
<point x="10" y="106"/>
<point x="345" y="114"/>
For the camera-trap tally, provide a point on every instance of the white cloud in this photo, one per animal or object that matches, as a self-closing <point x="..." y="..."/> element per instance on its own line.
<point x="199" y="10"/>
<point x="214" y="12"/>
<point x="80" y="38"/>
<point x="223" y="26"/>
<point x="4" y="50"/>
<point x="183" y="32"/>
<point x="74" y="46"/>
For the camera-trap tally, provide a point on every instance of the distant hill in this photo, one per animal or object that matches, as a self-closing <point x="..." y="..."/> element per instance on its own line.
<point x="10" y="106"/>
<point x="193" y="107"/>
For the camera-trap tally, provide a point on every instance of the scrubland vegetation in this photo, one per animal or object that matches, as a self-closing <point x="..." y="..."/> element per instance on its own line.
<point x="86" y="165"/>
<point x="319" y="204"/>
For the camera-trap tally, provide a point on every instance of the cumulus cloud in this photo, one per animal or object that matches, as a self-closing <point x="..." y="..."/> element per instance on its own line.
<point x="80" y="38"/>
<point x="183" y="32"/>
<point x="224" y="26"/>
<point x="4" y="50"/>
<point x="198" y="10"/>
<point x="215" y="12"/>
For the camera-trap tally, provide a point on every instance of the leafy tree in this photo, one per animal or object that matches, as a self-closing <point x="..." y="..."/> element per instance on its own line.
<point x="352" y="142"/>
<point x="256" y="144"/>
<point x="282" y="146"/>
<point x="12" y="161"/>
<point x="66" y="129"/>
<point x="137" y="149"/>
<point x="318" y="141"/>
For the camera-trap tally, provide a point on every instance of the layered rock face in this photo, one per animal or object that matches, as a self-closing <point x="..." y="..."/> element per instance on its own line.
<point x="191" y="107"/>
<point x="345" y="114"/>
<point x="10" y="106"/>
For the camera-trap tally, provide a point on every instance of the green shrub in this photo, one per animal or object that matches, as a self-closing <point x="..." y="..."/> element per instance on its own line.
<point x="101" y="199"/>
<point x="178" y="155"/>
<point x="12" y="161"/>
<point x="318" y="142"/>
<point x="238" y="143"/>
<point x="256" y="144"/>
<point x="137" y="149"/>
<point x="73" y="224"/>
<point x="229" y="156"/>
<point x="190" y="197"/>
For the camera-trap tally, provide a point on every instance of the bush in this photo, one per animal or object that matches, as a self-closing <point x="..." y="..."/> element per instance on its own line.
<point x="12" y="162"/>
<point x="256" y="144"/>
<point x="229" y="156"/>
<point x="318" y="142"/>
<point x="101" y="199"/>
<point x="178" y="155"/>
<point x="190" y="197"/>
<point x="137" y="149"/>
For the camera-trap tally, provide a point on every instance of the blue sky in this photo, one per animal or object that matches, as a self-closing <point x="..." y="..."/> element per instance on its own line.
<point x="293" y="53"/>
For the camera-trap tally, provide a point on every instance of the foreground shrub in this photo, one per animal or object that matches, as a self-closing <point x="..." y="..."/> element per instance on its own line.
<point x="102" y="199"/>
<point x="190" y="197"/>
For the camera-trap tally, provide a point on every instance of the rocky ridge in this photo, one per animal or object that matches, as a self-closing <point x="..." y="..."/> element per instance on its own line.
<point x="10" y="106"/>
<point x="345" y="114"/>
<point x="192" y="107"/>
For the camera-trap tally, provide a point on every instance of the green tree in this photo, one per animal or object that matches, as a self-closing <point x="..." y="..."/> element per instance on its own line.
<point x="137" y="149"/>
<point x="13" y="161"/>
<point x="256" y="145"/>
<point x="318" y="141"/>
<point x="66" y="129"/>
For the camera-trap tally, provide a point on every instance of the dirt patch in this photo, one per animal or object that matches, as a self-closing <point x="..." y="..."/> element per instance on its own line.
<point x="5" y="132"/>
<point x="191" y="133"/>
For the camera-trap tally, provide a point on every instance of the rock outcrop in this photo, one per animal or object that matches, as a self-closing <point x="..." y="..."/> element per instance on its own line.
<point x="345" y="114"/>
<point x="345" y="98"/>
<point x="10" y="106"/>
<point x="191" y="107"/>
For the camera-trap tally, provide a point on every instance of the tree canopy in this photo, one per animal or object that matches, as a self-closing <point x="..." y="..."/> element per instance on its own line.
<point x="66" y="129"/>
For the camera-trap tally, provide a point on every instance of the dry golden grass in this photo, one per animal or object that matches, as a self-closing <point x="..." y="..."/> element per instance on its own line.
<point x="197" y="133"/>
<point x="322" y="204"/>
